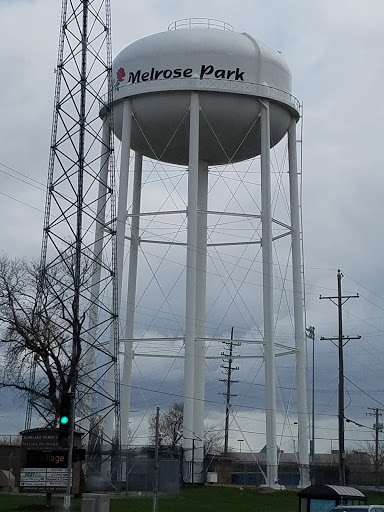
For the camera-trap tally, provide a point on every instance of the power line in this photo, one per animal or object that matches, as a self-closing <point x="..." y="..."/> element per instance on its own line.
<point x="21" y="174"/>
<point x="22" y="202"/>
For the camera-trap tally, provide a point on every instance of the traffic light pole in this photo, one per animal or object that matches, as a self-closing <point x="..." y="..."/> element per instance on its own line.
<point x="67" y="497"/>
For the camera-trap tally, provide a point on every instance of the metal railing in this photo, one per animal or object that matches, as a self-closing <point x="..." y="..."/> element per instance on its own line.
<point x="212" y="84"/>
<point x="188" y="23"/>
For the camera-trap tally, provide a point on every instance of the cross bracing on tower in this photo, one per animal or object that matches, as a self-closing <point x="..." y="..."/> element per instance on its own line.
<point x="78" y="256"/>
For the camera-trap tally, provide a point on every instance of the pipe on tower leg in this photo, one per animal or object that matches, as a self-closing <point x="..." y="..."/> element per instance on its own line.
<point x="201" y="286"/>
<point x="131" y="298"/>
<point x="190" y="306"/>
<point x="120" y="239"/>
<point x="298" y="311"/>
<point x="269" y="344"/>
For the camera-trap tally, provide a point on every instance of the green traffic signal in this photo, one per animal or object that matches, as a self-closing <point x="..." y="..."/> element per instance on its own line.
<point x="64" y="420"/>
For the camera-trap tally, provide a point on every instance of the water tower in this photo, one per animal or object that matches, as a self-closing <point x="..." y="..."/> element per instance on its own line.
<point x="202" y="95"/>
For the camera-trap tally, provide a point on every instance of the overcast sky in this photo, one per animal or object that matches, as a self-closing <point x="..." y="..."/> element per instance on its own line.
<point x="334" y="51"/>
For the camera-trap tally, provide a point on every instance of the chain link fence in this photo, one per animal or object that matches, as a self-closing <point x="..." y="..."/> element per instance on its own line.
<point x="134" y="471"/>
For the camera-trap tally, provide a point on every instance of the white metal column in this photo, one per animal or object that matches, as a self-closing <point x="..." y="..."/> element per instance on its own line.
<point x="190" y="306"/>
<point x="123" y="190"/>
<point x="269" y="347"/>
<point x="120" y="229"/>
<point x="96" y="269"/>
<point x="201" y="287"/>
<point x="298" y="311"/>
<point x="131" y="298"/>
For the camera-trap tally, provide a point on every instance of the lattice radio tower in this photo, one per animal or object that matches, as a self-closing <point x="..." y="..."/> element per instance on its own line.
<point x="79" y="237"/>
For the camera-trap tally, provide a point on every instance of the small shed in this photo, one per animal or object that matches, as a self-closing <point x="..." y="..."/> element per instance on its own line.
<point x="323" y="497"/>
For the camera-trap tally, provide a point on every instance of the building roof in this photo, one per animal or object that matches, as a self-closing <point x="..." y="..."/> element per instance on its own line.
<point x="325" y="490"/>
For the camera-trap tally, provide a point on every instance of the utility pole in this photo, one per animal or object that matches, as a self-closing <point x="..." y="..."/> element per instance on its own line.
<point x="311" y="335"/>
<point x="341" y="341"/>
<point x="378" y="427"/>
<point x="228" y="371"/>
<point x="156" y="477"/>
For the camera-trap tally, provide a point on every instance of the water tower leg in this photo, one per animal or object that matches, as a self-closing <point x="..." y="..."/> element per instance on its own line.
<point x="190" y="307"/>
<point x="298" y="311"/>
<point x="201" y="274"/>
<point x="96" y="270"/>
<point x="269" y="348"/>
<point x="131" y="298"/>
<point x="120" y="239"/>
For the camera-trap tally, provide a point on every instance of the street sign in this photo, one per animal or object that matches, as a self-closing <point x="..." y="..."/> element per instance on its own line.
<point x="43" y="479"/>
<point x="45" y="471"/>
<point x="45" y="464"/>
<point x="47" y="458"/>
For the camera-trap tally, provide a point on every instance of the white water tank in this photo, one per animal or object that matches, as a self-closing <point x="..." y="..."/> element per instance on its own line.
<point x="232" y="71"/>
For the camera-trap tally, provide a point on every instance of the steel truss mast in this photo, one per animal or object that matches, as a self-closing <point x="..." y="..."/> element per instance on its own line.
<point x="78" y="258"/>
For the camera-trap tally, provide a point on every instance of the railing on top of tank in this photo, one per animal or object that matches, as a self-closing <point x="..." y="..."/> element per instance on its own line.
<point x="262" y="90"/>
<point x="200" y="22"/>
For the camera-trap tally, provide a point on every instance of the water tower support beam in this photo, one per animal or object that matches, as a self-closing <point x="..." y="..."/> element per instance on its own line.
<point x="120" y="235"/>
<point x="267" y="241"/>
<point x="131" y="295"/>
<point x="190" y="305"/>
<point x="298" y="311"/>
<point x="201" y="286"/>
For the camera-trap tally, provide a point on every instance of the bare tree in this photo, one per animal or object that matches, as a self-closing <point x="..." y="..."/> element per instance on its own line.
<point x="213" y="439"/>
<point x="170" y="425"/>
<point x="171" y="430"/>
<point x="358" y="456"/>
<point x="369" y="450"/>
<point x="36" y="323"/>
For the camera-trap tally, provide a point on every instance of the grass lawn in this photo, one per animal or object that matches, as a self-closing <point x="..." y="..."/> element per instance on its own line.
<point x="204" y="499"/>
<point x="215" y="499"/>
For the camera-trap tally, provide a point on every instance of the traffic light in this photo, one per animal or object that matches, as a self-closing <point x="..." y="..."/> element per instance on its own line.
<point x="65" y="420"/>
